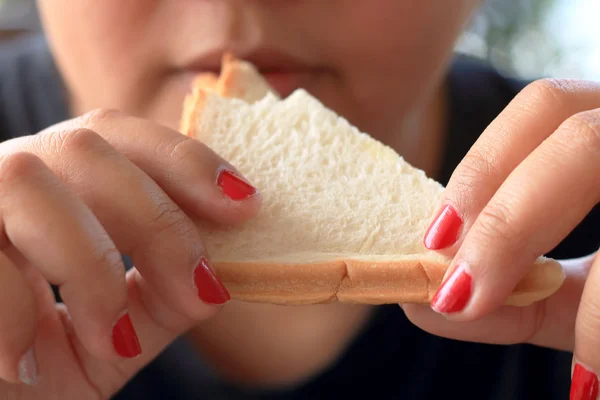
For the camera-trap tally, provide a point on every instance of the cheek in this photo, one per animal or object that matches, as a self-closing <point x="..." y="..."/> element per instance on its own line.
<point x="391" y="54"/>
<point x="102" y="47"/>
<point x="396" y="36"/>
<point x="93" y="32"/>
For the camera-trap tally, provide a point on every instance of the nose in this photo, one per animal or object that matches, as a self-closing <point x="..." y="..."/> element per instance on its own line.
<point x="243" y="25"/>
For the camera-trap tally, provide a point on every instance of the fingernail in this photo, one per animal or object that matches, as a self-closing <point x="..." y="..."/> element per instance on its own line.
<point x="233" y="186"/>
<point x="28" y="369"/>
<point x="454" y="293"/>
<point x="443" y="231"/>
<point x="210" y="289"/>
<point x="584" y="384"/>
<point x="125" y="339"/>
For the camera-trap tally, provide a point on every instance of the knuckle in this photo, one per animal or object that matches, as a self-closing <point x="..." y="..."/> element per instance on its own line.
<point x="110" y="256"/>
<point x="77" y="139"/>
<point x="497" y="222"/>
<point x="584" y="128"/>
<point x="477" y="165"/>
<point x="170" y="218"/>
<point x="20" y="165"/>
<point x="181" y="149"/>
<point x="109" y="267"/>
<point x="67" y="141"/>
<point x="549" y="90"/>
<point x="99" y="115"/>
<point x="479" y="162"/>
<point x="187" y="153"/>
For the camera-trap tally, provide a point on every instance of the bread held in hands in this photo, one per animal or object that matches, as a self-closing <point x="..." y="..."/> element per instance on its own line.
<point x="343" y="216"/>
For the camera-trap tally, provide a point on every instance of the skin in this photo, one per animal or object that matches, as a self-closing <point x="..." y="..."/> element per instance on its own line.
<point x="160" y="39"/>
<point x="132" y="56"/>
<point x="535" y="176"/>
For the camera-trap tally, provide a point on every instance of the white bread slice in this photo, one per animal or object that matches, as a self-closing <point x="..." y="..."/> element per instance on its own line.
<point x="242" y="80"/>
<point x="238" y="79"/>
<point x="343" y="216"/>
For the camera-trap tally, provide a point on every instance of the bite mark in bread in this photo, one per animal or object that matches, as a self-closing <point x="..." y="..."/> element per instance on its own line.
<point x="356" y="277"/>
<point x="238" y="79"/>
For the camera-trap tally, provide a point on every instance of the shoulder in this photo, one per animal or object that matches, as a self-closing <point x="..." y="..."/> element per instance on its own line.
<point x="31" y="91"/>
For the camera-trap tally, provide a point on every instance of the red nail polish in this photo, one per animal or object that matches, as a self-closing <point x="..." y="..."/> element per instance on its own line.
<point x="210" y="289"/>
<point x="125" y="339"/>
<point x="443" y="231"/>
<point x="454" y="293"/>
<point x="233" y="186"/>
<point x="584" y="384"/>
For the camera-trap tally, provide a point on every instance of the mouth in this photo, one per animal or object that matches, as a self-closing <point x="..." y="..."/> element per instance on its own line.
<point x="283" y="72"/>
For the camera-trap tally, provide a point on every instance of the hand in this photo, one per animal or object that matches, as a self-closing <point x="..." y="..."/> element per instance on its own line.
<point x="527" y="182"/>
<point x="73" y="199"/>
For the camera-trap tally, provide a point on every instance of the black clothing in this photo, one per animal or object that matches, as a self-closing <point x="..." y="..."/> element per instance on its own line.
<point x="390" y="358"/>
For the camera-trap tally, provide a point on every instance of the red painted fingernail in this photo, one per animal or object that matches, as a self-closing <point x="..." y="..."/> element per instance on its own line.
<point x="443" y="231"/>
<point x="210" y="289"/>
<point x="233" y="186"/>
<point x="125" y="339"/>
<point x="454" y="293"/>
<point x="584" y="384"/>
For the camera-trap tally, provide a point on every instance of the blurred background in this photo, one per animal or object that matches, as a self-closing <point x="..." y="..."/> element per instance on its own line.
<point x="534" y="38"/>
<point x="526" y="38"/>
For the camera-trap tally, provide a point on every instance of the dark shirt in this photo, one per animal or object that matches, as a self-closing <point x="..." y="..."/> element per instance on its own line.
<point x="390" y="358"/>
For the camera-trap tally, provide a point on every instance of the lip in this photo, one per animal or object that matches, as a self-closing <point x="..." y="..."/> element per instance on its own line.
<point x="284" y="72"/>
<point x="285" y="82"/>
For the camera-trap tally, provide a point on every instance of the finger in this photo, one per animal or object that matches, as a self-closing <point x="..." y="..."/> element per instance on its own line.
<point x="584" y="383"/>
<point x="525" y="123"/>
<point x="148" y="226"/>
<point x="156" y="325"/>
<point x="59" y="235"/>
<point x="18" y="317"/>
<point x="548" y="323"/>
<point x="194" y="176"/>
<point x="507" y="325"/>
<point x="542" y="200"/>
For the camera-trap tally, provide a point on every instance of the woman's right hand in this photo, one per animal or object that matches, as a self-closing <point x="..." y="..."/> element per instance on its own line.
<point x="73" y="198"/>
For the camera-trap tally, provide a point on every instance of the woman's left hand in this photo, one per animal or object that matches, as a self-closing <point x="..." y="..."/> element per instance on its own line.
<point x="528" y="181"/>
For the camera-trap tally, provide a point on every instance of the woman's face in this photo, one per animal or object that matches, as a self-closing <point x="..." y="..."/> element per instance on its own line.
<point x="370" y="60"/>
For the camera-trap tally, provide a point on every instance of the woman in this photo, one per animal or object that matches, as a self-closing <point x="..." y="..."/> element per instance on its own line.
<point x="80" y="187"/>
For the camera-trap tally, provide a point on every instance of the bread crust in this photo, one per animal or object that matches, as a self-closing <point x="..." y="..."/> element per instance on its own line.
<point x="237" y="79"/>
<point x="365" y="282"/>
<point x="345" y="280"/>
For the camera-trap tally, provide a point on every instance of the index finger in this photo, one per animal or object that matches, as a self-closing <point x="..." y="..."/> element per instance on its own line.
<point x="542" y="200"/>
<point x="194" y="176"/>
<point x="527" y="121"/>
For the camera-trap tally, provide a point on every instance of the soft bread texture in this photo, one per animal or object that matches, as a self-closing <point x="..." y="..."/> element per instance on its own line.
<point x="343" y="215"/>
<point x="242" y="80"/>
<point x="238" y="79"/>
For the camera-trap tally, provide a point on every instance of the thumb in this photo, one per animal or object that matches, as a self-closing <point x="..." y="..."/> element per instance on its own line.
<point x="547" y="323"/>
